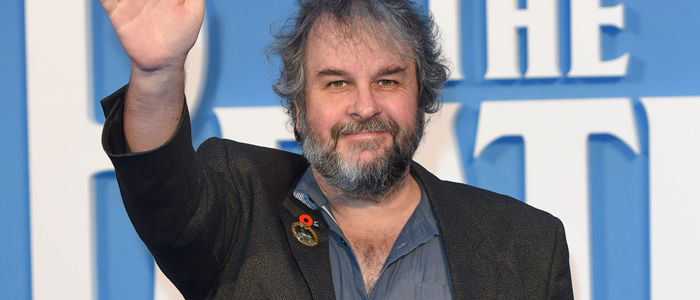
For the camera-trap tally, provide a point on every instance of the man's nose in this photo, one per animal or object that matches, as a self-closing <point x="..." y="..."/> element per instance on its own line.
<point x="365" y="104"/>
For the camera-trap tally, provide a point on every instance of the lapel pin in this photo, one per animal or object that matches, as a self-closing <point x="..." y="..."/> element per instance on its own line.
<point x="306" y="220"/>
<point x="305" y="234"/>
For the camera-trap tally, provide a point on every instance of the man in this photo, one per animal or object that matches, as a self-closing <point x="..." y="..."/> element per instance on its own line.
<point x="355" y="218"/>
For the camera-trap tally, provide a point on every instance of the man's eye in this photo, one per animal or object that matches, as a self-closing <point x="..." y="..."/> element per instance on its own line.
<point x="338" y="83"/>
<point x="386" y="82"/>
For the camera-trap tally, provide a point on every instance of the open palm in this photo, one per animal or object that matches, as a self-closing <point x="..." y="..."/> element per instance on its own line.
<point x="156" y="33"/>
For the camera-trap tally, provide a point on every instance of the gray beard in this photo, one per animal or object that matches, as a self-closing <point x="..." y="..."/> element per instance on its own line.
<point x="374" y="180"/>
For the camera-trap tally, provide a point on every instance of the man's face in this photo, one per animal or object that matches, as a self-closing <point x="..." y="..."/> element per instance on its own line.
<point x="361" y="124"/>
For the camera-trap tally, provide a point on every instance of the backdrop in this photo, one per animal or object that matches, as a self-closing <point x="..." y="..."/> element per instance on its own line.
<point x="584" y="108"/>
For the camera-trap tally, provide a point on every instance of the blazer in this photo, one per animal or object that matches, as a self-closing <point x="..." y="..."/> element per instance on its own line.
<point x="218" y="222"/>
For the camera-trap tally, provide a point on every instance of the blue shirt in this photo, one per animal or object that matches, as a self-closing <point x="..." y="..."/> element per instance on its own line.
<point x="416" y="267"/>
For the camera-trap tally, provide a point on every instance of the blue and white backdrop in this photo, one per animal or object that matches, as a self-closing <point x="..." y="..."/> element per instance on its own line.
<point x="585" y="108"/>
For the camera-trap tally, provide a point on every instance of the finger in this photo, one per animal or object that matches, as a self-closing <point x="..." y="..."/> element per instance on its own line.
<point x="109" y="5"/>
<point x="195" y="6"/>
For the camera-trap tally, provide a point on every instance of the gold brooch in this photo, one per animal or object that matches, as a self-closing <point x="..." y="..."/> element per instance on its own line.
<point x="305" y="234"/>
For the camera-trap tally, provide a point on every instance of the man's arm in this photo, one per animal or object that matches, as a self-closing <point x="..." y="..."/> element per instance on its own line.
<point x="175" y="201"/>
<point x="156" y="35"/>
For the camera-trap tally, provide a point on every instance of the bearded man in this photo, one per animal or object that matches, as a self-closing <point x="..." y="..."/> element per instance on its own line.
<point x="355" y="217"/>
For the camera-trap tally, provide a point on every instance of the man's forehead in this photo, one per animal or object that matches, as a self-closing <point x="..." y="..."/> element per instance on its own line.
<point x="360" y="34"/>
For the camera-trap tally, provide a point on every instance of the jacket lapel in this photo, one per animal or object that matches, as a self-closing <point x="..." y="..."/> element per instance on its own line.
<point x="313" y="261"/>
<point x="475" y="273"/>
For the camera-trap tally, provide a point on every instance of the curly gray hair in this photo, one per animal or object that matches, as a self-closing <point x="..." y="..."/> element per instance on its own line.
<point x="398" y="22"/>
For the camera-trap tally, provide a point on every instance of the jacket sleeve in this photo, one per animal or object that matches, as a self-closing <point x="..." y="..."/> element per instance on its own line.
<point x="174" y="200"/>
<point x="560" y="285"/>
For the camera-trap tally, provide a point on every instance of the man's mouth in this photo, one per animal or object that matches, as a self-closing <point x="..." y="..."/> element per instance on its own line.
<point x="365" y="131"/>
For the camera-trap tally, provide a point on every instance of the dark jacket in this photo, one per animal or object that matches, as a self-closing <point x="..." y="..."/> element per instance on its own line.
<point x="218" y="222"/>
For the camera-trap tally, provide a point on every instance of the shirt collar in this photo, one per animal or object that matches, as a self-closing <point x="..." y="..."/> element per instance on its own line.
<point x="308" y="192"/>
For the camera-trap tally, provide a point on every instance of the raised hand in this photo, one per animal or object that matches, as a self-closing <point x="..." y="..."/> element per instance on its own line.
<point x="156" y="34"/>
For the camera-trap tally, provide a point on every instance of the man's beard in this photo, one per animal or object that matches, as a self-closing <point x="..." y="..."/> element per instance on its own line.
<point x="371" y="180"/>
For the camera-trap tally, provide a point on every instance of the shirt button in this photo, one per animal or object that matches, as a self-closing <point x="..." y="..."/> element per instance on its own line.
<point x="344" y="243"/>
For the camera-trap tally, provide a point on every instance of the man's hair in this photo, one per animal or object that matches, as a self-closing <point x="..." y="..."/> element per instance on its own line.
<point x="395" y="22"/>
